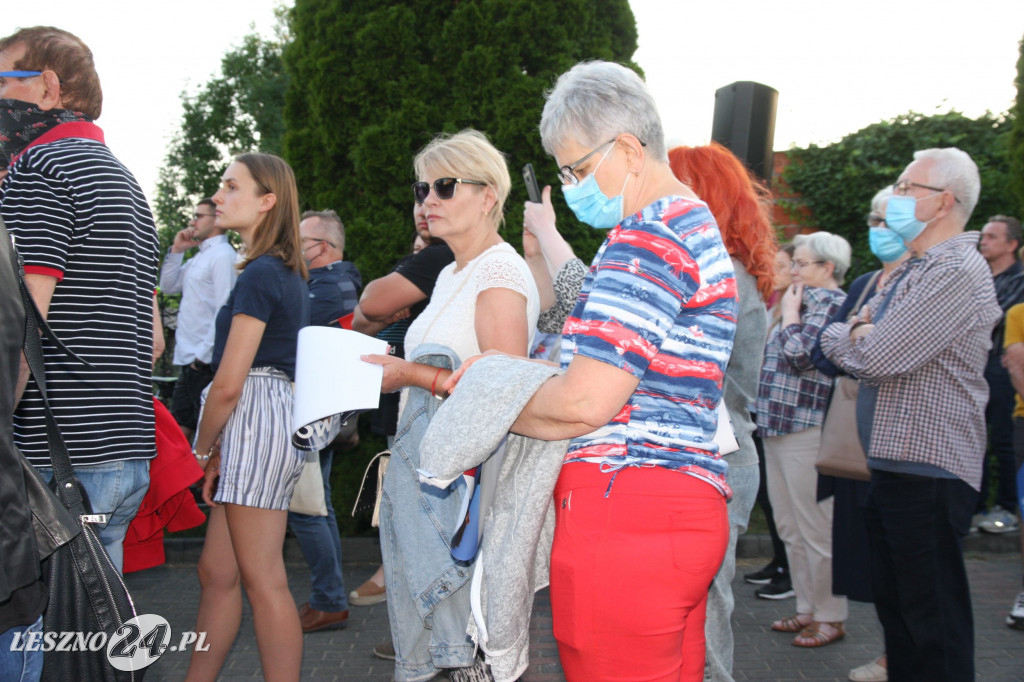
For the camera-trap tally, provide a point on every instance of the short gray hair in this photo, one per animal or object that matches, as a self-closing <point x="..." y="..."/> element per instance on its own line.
<point x="595" y="101"/>
<point x="828" y="247"/>
<point x="955" y="170"/>
<point x="881" y="197"/>
<point x="332" y="226"/>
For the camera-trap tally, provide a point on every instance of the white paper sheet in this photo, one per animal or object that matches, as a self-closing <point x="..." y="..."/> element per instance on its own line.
<point x="332" y="383"/>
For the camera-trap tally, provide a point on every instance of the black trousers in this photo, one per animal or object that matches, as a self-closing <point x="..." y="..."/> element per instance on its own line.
<point x="916" y="525"/>
<point x="187" y="391"/>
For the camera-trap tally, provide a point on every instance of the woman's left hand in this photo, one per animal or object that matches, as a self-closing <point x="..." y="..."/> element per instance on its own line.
<point x="791" y="302"/>
<point x="396" y="371"/>
<point x="210" y="479"/>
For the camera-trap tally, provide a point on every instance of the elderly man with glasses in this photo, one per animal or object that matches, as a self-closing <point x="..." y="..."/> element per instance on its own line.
<point x="204" y="282"/>
<point x="920" y="349"/>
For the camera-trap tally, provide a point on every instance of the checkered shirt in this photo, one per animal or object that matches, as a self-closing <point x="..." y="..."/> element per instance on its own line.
<point x="793" y="394"/>
<point x="927" y="357"/>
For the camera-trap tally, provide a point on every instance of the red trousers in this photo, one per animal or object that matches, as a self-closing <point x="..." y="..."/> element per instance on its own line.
<point x="630" y="572"/>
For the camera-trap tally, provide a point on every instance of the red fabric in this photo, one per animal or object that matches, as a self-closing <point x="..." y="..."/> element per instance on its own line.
<point x="43" y="270"/>
<point x="345" y="321"/>
<point x="168" y="503"/>
<point x="630" y="572"/>
<point x="83" y="129"/>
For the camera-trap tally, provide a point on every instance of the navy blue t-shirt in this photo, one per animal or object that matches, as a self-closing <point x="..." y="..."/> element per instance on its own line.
<point x="269" y="291"/>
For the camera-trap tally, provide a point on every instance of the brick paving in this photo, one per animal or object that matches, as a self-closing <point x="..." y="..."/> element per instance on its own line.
<point x="172" y="591"/>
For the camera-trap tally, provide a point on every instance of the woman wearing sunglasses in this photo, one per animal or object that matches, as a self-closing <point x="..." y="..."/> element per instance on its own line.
<point x="247" y="410"/>
<point x="485" y="300"/>
<point x="640" y="502"/>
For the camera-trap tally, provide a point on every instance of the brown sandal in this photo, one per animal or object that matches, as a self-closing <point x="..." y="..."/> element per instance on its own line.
<point x="813" y="637"/>
<point x="792" y="624"/>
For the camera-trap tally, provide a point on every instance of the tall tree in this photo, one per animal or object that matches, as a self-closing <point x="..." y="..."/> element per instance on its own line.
<point x="836" y="182"/>
<point x="372" y="82"/>
<point x="1017" y="139"/>
<point x="238" y="111"/>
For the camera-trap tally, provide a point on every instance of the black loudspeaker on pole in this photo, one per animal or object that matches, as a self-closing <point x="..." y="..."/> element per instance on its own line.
<point x="745" y="123"/>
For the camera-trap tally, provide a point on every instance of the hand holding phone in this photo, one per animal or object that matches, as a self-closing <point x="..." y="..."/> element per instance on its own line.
<point x="532" y="190"/>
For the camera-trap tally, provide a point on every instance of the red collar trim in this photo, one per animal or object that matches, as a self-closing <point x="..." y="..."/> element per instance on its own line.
<point x="83" y="129"/>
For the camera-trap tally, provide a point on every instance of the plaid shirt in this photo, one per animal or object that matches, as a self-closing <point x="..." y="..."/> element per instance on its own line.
<point x="793" y="393"/>
<point x="927" y="357"/>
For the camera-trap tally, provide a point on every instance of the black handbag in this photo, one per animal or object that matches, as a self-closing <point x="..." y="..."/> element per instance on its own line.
<point x="86" y="591"/>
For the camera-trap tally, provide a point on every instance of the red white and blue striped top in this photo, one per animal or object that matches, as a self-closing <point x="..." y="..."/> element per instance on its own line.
<point x="660" y="303"/>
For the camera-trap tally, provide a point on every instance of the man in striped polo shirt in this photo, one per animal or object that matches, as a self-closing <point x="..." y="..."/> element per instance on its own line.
<point x="85" y="231"/>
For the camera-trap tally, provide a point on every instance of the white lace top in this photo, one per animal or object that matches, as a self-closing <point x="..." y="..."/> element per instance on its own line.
<point x="450" y="317"/>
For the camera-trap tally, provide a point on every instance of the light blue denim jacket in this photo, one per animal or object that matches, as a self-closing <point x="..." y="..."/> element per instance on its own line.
<point x="428" y="590"/>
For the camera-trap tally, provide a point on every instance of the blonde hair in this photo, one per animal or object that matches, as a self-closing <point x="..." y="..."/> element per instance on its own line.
<point x="469" y="155"/>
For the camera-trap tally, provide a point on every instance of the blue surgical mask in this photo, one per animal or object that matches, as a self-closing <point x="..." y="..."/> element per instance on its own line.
<point x="590" y="204"/>
<point x="886" y="244"/>
<point x="900" y="216"/>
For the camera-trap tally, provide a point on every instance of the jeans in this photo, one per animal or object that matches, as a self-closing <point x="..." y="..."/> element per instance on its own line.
<point x="21" y="665"/>
<point x="321" y="547"/>
<point x="718" y="628"/>
<point x="116" y="489"/>
<point x="1000" y="455"/>
<point x="428" y="590"/>
<point x="916" y="525"/>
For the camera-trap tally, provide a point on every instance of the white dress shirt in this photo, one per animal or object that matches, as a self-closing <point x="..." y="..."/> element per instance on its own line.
<point x="204" y="282"/>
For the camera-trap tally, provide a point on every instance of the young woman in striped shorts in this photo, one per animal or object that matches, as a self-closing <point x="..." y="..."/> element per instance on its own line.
<point x="247" y="410"/>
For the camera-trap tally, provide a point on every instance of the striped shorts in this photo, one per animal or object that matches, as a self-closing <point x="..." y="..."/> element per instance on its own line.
<point x="258" y="465"/>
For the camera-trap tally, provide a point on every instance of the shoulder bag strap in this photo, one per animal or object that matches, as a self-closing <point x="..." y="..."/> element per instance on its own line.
<point x="864" y="294"/>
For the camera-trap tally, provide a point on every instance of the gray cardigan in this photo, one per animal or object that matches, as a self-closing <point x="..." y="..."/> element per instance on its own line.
<point x="515" y="553"/>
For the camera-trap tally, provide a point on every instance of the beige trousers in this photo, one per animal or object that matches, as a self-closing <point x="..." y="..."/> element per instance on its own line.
<point x="804" y="524"/>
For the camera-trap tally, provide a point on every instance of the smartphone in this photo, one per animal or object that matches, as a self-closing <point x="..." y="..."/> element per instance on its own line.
<point x="531" y="183"/>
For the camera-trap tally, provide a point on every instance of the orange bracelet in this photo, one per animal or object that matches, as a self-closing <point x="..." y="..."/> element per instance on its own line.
<point x="433" y="384"/>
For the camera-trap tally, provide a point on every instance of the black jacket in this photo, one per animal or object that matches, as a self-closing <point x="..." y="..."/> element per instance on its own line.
<point x="22" y="597"/>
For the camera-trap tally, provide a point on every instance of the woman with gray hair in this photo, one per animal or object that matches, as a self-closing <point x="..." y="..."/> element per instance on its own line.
<point x="641" y="496"/>
<point x="791" y="404"/>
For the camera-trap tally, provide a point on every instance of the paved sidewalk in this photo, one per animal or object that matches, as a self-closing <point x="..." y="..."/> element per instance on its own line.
<point x="172" y="591"/>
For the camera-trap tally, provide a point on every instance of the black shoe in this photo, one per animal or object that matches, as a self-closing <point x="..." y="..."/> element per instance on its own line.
<point x="765" y="575"/>
<point x="780" y="588"/>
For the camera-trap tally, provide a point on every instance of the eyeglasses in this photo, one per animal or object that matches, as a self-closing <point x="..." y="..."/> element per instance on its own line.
<point x="874" y="220"/>
<point x="566" y="174"/>
<point x="902" y="188"/>
<point x="197" y="216"/>
<point x="317" y="241"/>
<point x="20" y="74"/>
<point x="444" y="188"/>
<point x="801" y="264"/>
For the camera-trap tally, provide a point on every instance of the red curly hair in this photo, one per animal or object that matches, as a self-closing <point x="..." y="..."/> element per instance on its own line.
<point x="739" y="202"/>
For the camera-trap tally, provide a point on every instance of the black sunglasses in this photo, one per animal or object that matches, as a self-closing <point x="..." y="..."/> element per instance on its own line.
<point x="444" y="188"/>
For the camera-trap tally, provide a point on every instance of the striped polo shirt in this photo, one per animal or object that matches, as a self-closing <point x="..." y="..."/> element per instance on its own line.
<point x="659" y="302"/>
<point x="78" y="215"/>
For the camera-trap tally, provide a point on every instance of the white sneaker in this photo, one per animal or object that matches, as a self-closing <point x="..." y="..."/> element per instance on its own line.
<point x="999" y="521"/>
<point x="870" y="672"/>
<point x="1016" y="618"/>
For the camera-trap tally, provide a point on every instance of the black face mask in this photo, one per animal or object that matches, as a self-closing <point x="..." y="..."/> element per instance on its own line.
<point x="22" y="122"/>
